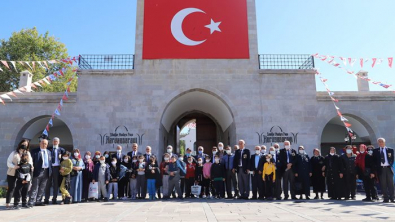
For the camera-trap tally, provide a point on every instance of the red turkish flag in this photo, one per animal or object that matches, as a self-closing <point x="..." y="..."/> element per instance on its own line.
<point x="195" y="29"/>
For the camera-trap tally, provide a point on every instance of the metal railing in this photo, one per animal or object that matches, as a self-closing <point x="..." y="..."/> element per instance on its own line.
<point x="115" y="61"/>
<point x="286" y="61"/>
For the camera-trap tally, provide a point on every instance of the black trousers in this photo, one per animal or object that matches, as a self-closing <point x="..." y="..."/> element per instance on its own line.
<point x="11" y="187"/>
<point x="182" y="186"/>
<point x="370" y="189"/>
<point x="269" y="186"/>
<point x="257" y="185"/>
<point x="218" y="189"/>
<point x="351" y="185"/>
<point x="123" y="187"/>
<point x="21" y="191"/>
<point x="189" y="182"/>
<point x="206" y="185"/>
<point x="277" y="186"/>
<point x="54" y="181"/>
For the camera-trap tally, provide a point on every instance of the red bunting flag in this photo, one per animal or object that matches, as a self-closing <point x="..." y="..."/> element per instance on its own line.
<point x="61" y="72"/>
<point x="47" y="128"/>
<point x="2" y="101"/>
<point x="339" y="113"/>
<point x="390" y="60"/>
<point x="347" y="124"/>
<point x="12" y="94"/>
<point x="59" y="107"/>
<point x="361" y="62"/>
<point x="68" y="89"/>
<point x="334" y="100"/>
<point x="65" y="98"/>
<point x="34" y="86"/>
<point x="374" y="62"/>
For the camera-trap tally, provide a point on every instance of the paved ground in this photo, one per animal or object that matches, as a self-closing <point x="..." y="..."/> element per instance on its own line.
<point x="206" y="210"/>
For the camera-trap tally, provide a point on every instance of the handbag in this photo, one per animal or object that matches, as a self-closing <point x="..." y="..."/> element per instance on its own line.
<point x="196" y="189"/>
<point x="93" y="190"/>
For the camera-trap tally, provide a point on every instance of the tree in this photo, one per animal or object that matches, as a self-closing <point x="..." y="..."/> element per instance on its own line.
<point x="29" y="45"/>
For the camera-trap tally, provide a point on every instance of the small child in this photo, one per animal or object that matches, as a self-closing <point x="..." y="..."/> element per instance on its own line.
<point x="269" y="176"/>
<point x="190" y="177"/>
<point x="207" y="177"/>
<point x="66" y="167"/>
<point x="218" y="177"/>
<point x="199" y="175"/>
<point x="182" y="165"/>
<point x="165" y="176"/>
<point x="151" y="173"/>
<point x="101" y="174"/>
<point x="141" y="183"/>
<point x="114" y="178"/>
<point x="23" y="175"/>
<point x="133" y="176"/>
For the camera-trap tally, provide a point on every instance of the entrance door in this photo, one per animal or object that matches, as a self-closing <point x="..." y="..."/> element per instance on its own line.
<point x="206" y="130"/>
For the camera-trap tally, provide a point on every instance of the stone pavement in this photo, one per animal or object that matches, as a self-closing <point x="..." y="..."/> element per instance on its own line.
<point x="206" y="210"/>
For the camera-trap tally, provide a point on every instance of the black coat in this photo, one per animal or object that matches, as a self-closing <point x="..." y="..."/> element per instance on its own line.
<point x="333" y="168"/>
<point x="252" y="163"/>
<point x="349" y="164"/>
<point x="61" y="151"/>
<point x="377" y="158"/>
<point x="217" y="170"/>
<point x="245" y="158"/>
<point x="317" y="179"/>
<point x="283" y="158"/>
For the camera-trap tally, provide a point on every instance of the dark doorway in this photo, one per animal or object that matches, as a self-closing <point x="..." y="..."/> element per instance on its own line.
<point x="206" y="130"/>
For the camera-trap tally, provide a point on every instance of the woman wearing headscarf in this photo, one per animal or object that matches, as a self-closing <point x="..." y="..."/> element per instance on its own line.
<point x="76" y="176"/>
<point x="87" y="175"/>
<point x="302" y="167"/>
<point x="317" y="179"/>
<point x="334" y="173"/>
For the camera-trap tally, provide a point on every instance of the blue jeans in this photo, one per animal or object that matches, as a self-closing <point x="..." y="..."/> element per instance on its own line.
<point x="151" y="187"/>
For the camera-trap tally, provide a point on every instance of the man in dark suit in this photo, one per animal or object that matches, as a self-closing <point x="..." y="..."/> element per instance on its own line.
<point x="256" y="167"/>
<point x="42" y="163"/>
<point x="134" y="151"/>
<point x="148" y="155"/>
<point x="241" y="164"/>
<point x="201" y="154"/>
<point x="384" y="161"/>
<point x="118" y="155"/>
<point x="279" y="170"/>
<point x="287" y="158"/>
<point x="54" y="179"/>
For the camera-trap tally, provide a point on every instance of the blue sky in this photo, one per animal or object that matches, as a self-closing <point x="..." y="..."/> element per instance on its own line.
<point x="349" y="28"/>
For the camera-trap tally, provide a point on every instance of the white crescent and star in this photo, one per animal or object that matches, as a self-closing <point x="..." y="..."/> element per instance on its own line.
<point x="178" y="33"/>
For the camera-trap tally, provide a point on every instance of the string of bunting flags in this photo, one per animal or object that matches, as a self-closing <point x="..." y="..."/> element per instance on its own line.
<point x="64" y="98"/>
<point x="375" y="61"/>
<point x="39" y="83"/>
<point x="32" y="64"/>
<point x="334" y="100"/>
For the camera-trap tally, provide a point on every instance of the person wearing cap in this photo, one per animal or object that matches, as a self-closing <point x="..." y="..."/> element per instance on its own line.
<point x="350" y="173"/>
<point x="317" y="179"/>
<point x="384" y="161"/>
<point x="334" y="173"/>
<point x="302" y="170"/>
<point x="54" y="177"/>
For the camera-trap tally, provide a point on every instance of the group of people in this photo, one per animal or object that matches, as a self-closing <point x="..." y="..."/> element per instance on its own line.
<point x="274" y="173"/>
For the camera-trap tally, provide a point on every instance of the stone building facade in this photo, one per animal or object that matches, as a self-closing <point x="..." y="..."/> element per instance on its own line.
<point x="243" y="101"/>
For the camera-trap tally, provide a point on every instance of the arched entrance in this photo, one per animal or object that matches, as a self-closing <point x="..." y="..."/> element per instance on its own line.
<point x="213" y="117"/>
<point x="33" y="129"/>
<point x="334" y="133"/>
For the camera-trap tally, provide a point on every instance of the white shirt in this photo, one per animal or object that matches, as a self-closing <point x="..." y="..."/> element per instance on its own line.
<point x="385" y="156"/>
<point x="56" y="155"/>
<point x="44" y="152"/>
